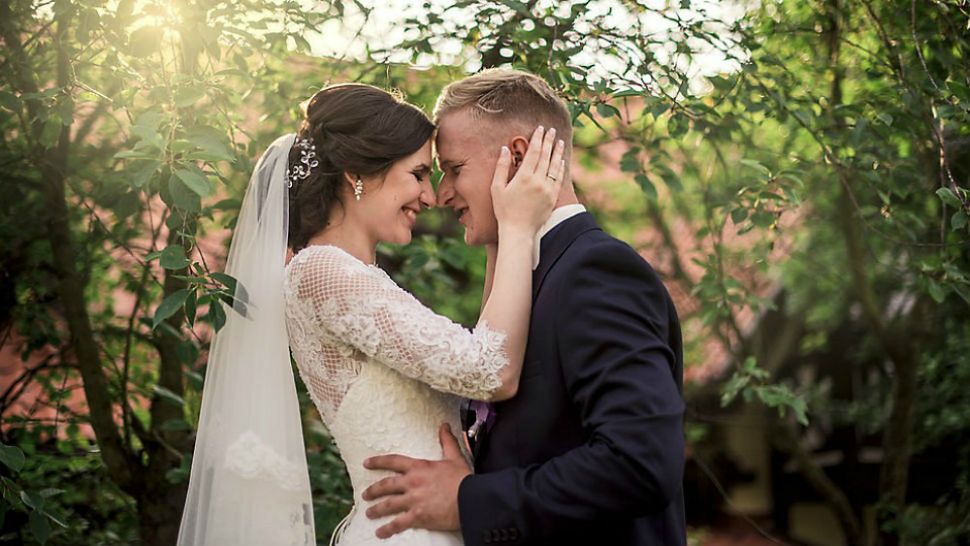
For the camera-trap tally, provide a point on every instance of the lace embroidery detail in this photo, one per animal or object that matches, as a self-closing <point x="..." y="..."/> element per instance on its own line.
<point x="252" y="458"/>
<point x="342" y="312"/>
<point x="383" y="371"/>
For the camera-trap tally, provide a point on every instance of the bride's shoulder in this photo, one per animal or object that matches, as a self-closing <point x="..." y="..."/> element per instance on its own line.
<point x="328" y="261"/>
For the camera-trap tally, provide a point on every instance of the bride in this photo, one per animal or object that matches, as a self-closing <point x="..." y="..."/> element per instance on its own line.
<point x="383" y="370"/>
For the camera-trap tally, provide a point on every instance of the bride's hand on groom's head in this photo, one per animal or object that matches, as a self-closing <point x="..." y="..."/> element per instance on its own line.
<point x="526" y="200"/>
<point x="422" y="494"/>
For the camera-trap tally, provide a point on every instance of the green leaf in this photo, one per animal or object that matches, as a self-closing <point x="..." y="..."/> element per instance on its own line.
<point x="212" y="143"/>
<point x="32" y="500"/>
<point x="936" y="291"/>
<point x="190" y="307"/>
<point x="302" y="45"/>
<point x="755" y="165"/>
<point x="173" y="257"/>
<point x="195" y="181"/>
<point x="216" y="316"/>
<point x="39" y="526"/>
<point x="187" y="96"/>
<point x="885" y="118"/>
<point x="175" y="424"/>
<point x="13" y="457"/>
<point x="168" y="395"/>
<point x="187" y="352"/>
<point x="738" y="215"/>
<point x="959" y="220"/>
<point x="137" y="154"/>
<point x="55" y="518"/>
<point x="50" y="492"/>
<point x="647" y="186"/>
<point x="962" y="291"/>
<point x="630" y="162"/>
<point x="225" y="279"/>
<point x="607" y="110"/>
<point x="762" y="219"/>
<point x="177" y="475"/>
<point x="169" y="306"/>
<point x="142" y="173"/>
<point x="51" y="131"/>
<point x="182" y="197"/>
<point x="948" y="197"/>
<point x="10" y="101"/>
<point x="678" y="125"/>
<point x="627" y="93"/>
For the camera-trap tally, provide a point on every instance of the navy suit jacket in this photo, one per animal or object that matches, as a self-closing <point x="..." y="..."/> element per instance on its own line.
<point x="591" y="449"/>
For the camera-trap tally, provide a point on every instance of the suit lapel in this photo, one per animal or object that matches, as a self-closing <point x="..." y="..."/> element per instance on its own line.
<point x="556" y="242"/>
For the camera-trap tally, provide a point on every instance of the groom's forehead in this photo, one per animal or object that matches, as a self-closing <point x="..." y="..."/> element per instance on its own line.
<point x="453" y="143"/>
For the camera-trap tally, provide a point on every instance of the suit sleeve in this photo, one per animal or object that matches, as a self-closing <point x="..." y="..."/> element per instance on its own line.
<point x="619" y="370"/>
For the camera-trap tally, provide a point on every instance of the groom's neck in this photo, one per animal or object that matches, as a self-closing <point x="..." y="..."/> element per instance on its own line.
<point x="567" y="196"/>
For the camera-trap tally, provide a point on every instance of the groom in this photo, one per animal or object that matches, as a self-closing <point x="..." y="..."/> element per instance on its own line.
<point x="591" y="449"/>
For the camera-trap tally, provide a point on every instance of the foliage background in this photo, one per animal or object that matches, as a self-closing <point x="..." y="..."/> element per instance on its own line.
<point x="803" y="162"/>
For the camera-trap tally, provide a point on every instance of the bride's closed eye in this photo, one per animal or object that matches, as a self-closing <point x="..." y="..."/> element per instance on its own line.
<point x="421" y="172"/>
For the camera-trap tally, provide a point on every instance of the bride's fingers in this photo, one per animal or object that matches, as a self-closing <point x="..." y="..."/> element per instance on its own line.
<point x="531" y="158"/>
<point x="500" y="178"/>
<point x="548" y="146"/>
<point x="556" y="167"/>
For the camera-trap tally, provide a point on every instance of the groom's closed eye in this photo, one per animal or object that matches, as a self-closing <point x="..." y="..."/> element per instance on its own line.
<point x="450" y="167"/>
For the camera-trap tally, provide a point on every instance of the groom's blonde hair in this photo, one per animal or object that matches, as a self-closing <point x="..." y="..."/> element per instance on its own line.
<point x="507" y="97"/>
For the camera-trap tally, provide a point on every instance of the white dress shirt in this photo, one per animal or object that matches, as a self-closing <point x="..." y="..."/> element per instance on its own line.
<point x="557" y="217"/>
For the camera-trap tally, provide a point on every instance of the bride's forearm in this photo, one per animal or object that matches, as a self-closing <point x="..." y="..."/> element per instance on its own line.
<point x="491" y="254"/>
<point x="509" y="303"/>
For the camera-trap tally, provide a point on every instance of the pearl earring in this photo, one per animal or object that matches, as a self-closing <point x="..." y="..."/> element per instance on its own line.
<point x="358" y="189"/>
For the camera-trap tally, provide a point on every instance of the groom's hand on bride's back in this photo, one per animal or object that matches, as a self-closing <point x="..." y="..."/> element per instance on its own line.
<point x="423" y="494"/>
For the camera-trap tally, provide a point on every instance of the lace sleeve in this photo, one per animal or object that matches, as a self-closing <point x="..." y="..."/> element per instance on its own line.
<point x="361" y="306"/>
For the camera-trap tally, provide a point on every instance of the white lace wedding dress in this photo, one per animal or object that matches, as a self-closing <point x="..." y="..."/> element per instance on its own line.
<point x="383" y="370"/>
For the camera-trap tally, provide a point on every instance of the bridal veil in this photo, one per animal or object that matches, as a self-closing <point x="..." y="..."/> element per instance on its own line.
<point x="249" y="484"/>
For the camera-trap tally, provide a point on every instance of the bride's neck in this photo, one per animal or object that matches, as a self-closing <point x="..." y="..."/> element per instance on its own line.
<point x="343" y="232"/>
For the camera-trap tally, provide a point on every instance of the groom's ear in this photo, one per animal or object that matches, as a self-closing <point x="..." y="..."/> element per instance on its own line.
<point x="518" y="146"/>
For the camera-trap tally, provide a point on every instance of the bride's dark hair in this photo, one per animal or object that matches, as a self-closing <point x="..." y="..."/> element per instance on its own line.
<point x="357" y="129"/>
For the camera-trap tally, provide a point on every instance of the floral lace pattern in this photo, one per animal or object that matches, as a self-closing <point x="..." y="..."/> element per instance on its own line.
<point x="382" y="369"/>
<point x="252" y="458"/>
<point x="342" y="312"/>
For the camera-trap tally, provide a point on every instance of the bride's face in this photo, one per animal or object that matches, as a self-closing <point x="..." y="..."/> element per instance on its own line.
<point x="389" y="209"/>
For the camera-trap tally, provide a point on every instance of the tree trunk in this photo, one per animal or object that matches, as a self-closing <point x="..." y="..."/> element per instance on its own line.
<point x="160" y="510"/>
<point x="53" y="166"/>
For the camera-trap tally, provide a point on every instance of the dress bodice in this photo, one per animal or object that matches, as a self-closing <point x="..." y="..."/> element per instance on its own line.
<point x="383" y="370"/>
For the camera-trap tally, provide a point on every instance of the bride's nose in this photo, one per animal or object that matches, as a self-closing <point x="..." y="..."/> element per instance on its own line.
<point x="427" y="197"/>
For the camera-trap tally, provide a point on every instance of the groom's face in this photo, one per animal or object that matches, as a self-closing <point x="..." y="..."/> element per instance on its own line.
<point x="467" y="158"/>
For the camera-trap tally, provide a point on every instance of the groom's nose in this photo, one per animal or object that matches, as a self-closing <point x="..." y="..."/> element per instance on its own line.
<point x="446" y="191"/>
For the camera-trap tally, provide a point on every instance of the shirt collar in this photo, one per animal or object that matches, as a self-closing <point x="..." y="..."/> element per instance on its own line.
<point x="557" y="217"/>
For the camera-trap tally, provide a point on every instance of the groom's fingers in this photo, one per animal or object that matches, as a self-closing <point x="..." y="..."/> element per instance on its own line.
<point x="399" y="524"/>
<point x="449" y="445"/>
<point x="393" y="462"/>
<point x="392" y="485"/>
<point x="393" y="505"/>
